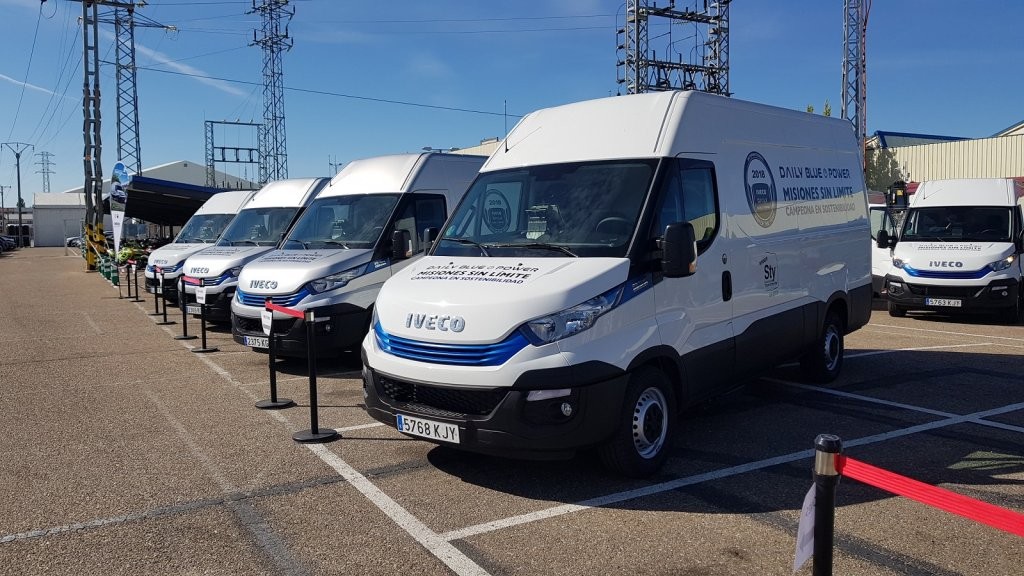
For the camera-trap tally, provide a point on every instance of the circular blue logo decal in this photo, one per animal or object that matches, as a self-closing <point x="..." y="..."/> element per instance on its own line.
<point x="760" y="184"/>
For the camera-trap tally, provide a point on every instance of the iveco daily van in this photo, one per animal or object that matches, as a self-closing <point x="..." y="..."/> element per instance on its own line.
<point x="201" y="230"/>
<point x="256" y="230"/>
<point x="370" y="221"/>
<point x="959" y="249"/>
<point x="617" y="260"/>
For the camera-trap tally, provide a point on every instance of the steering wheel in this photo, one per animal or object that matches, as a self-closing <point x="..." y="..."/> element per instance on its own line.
<point x="614" y="225"/>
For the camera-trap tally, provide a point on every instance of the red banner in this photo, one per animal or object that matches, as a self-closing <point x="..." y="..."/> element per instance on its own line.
<point x="983" y="512"/>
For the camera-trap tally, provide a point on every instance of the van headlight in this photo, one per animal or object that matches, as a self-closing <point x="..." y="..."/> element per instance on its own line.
<point x="1002" y="264"/>
<point x="899" y="263"/>
<point x="573" y="320"/>
<point x="336" y="280"/>
<point x="235" y="271"/>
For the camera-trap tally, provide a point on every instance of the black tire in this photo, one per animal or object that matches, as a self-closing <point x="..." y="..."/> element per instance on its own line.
<point x="897" y="311"/>
<point x="640" y="445"/>
<point x="824" y="361"/>
<point x="1015" y="313"/>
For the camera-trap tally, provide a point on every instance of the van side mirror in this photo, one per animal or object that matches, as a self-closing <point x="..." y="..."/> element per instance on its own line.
<point x="884" y="240"/>
<point x="1019" y="242"/>
<point x="429" y="235"/>
<point x="679" y="250"/>
<point x="401" y="245"/>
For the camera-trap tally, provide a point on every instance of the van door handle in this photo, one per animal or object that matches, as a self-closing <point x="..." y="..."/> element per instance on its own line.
<point x="726" y="286"/>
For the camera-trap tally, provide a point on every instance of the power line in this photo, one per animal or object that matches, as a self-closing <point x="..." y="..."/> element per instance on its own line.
<point x="31" y="53"/>
<point x="338" y="94"/>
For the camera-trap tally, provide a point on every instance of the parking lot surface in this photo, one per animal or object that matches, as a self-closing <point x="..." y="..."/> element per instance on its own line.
<point x="126" y="453"/>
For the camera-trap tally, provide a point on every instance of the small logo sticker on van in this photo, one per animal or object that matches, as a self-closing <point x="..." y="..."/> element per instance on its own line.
<point x="760" y="185"/>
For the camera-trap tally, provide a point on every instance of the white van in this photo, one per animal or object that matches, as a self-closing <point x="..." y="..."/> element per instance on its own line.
<point x="617" y="260"/>
<point x="374" y="217"/>
<point x="256" y="230"/>
<point x="959" y="249"/>
<point x="201" y="230"/>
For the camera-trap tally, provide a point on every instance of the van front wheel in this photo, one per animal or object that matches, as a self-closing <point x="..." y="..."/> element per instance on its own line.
<point x="640" y="445"/>
<point x="823" y="362"/>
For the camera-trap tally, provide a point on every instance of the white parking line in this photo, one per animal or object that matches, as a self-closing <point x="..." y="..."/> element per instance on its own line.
<point x="358" y="427"/>
<point x="714" y="475"/>
<point x="877" y="352"/>
<point x="950" y="333"/>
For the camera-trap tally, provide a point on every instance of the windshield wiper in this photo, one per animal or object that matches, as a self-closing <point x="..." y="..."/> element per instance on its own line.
<point x="539" y="245"/>
<point x="305" y="245"/>
<point x="253" y="242"/>
<point x="483" y="249"/>
<point x="336" y="243"/>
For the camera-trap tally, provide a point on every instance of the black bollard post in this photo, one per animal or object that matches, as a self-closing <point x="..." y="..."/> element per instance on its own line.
<point x="135" y="272"/>
<point x="128" y="278"/>
<point x="157" y="291"/>
<point x="165" y="321"/>
<point x="315" y="433"/>
<point x="826" y="477"/>
<point x="274" y="403"/>
<point x="201" y="300"/>
<point x="183" y="301"/>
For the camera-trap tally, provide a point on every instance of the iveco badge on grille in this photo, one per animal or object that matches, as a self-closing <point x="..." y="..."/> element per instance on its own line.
<point x="444" y="323"/>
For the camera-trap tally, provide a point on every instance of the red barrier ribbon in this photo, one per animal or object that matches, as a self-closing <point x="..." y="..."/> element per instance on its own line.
<point x="283" y="310"/>
<point x="192" y="281"/>
<point x="983" y="512"/>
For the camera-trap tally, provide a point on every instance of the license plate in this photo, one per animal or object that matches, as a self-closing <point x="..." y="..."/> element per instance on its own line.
<point x="948" y="302"/>
<point x="428" y="428"/>
<point x="256" y="341"/>
<point x="193" y="309"/>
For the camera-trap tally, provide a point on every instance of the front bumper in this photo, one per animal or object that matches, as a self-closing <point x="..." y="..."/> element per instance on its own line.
<point x="338" y="327"/>
<point x="500" y="421"/>
<point x="990" y="297"/>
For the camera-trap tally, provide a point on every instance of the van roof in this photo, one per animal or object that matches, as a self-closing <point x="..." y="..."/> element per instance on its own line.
<point x="227" y="202"/>
<point x="648" y="125"/>
<point x="965" y="192"/>
<point x="400" y="173"/>
<point x="294" y="192"/>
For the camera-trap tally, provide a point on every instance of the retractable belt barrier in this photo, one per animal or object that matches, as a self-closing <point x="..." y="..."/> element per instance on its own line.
<point x="163" y="299"/>
<point x="274" y="403"/>
<point x="315" y="433"/>
<point x="183" y="304"/>
<point x="817" y="518"/>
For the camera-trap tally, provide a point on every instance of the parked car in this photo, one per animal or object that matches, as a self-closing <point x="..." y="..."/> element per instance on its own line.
<point x="73" y="241"/>
<point x="9" y="242"/>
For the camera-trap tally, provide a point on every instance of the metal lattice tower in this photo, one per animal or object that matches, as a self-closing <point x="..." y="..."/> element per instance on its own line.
<point x="855" y="24"/>
<point x="273" y="39"/>
<point x="44" y="164"/>
<point x="128" y="147"/>
<point x="707" y="68"/>
<point x="230" y="154"/>
<point x="93" y="144"/>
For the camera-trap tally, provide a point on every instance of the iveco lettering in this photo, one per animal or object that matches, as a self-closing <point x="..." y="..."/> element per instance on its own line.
<point x="616" y="261"/>
<point x="374" y="218"/>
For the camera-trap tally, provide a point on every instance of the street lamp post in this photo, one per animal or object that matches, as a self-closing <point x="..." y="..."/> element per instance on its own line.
<point x="18" y="148"/>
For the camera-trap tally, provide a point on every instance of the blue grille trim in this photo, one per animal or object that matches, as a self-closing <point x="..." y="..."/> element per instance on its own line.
<point x="967" y="275"/>
<point x="452" y="354"/>
<point x="218" y="280"/>
<point x="259" y="300"/>
<point x="167" y="269"/>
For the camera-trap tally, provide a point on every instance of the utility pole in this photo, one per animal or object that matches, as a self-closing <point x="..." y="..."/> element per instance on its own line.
<point x="3" y="210"/>
<point x="18" y="148"/>
<point x="855" y="83"/>
<point x="45" y="164"/>
<point x="274" y="40"/>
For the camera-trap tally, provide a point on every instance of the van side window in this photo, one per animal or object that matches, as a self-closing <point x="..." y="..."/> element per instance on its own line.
<point x="688" y="195"/>
<point x="422" y="212"/>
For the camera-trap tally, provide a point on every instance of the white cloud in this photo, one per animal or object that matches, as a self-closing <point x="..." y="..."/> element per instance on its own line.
<point x="29" y="86"/>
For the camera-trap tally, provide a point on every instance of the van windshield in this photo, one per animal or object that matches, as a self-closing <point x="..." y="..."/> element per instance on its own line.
<point x="958" y="224"/>
<point x="205" y="228"/>
<point x="557" y="210"/>
<point x="352" y="221"/>
<point x="258" y="226"/>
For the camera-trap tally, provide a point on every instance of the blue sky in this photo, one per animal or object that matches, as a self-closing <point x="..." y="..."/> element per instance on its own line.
<point x="934" y="66"/>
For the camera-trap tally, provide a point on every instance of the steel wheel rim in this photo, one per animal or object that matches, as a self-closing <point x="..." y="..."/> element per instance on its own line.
<point x="833" y="348"/>
<point x="650" y="423"/>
